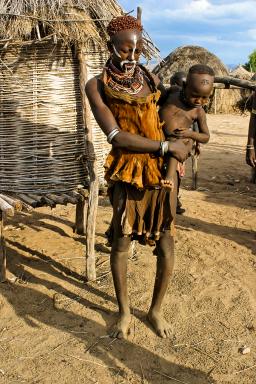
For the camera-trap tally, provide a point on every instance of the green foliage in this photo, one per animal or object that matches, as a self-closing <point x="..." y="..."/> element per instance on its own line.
<point x="251" y="65"/>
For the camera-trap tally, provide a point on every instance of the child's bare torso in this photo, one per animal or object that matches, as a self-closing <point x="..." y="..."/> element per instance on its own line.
<point x="176" y="114"/>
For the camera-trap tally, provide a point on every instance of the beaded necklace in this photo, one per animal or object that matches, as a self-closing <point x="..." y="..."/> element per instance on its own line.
<point x="130" y="82"/>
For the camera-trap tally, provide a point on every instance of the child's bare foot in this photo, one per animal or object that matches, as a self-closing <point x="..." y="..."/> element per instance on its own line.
<point x="168" y="184"/>
<point x="122" y="327"/>
<point x="162" y="328"/>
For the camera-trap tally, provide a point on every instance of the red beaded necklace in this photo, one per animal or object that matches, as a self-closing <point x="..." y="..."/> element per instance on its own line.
<point x="130" y="82"/>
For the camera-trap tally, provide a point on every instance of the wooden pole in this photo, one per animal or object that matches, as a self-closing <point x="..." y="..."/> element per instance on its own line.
<point x="94" y="184"/>
<point x="2" y="251"/>
<point x="81" y="213"/>
<point x="194" y="159"/>
<point x="6" y="207"/>
<point x="254" y="175"/>
<point x="229" y="80"/>
<point x="215" y="101"/>
<point x="16" y="204"/>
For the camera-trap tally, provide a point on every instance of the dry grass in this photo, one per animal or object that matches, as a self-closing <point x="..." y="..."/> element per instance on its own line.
<point x="71" y="20"/>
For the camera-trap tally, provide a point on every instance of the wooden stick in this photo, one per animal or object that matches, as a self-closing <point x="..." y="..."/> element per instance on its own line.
<point x="80" y="223"/>
<point x="70" y="199"/>
<point x="92" y="168"/>
<point x="48" y="202"/>
<point x="83" y="192"/>
<point x="76" y="195"/>
<point x="170" y="377"/>
<point x="254" y="175"/>
<point x="90" y="361"/>
<point x="91" y="224"/>
<point x="2" y="251"/>
<point x="194" y="159"/>
<point x="229" y="80"/>
<point x="245" y="369"/>
<point x="27" y="200"/>
<point x="6" y="207"/>
<point x="35" y="197"/>
<point x="26" y="207"/>
<point x="57" y="198"/>
<point x="16" y="204"/>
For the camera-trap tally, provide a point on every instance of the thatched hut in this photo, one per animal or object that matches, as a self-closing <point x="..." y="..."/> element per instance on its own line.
<point x="182" y="58"/>
<point x="241" y="73"/>
<point x="51" y="148"/>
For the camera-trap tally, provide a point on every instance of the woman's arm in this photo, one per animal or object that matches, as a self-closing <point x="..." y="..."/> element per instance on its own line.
<point x="125" y="140"/>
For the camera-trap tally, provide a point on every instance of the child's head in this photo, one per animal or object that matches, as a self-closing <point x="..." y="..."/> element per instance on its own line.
<point x="199" y="85"/>
<point x="178" y="78"/>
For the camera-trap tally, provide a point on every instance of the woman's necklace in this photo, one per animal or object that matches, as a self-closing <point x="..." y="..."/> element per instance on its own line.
<point x="130" y="82"/>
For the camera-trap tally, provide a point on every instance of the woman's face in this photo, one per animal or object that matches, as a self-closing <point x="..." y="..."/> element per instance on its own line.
<point x="126" y="48"/>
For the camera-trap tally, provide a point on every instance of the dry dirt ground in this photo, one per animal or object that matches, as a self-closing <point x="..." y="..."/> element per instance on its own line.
<point x="54" y="327"/>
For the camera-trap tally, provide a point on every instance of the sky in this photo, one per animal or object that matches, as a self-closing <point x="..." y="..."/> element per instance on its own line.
<point x="227" y="28"/>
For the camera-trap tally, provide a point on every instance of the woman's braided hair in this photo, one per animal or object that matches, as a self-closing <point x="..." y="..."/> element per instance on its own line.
<point x="122" y="23"/>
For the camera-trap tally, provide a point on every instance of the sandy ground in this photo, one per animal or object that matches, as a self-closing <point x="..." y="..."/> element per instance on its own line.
<point x="54" y="327"/>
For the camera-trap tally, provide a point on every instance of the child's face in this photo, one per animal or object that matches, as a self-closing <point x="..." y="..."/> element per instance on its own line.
<point x="198" y="89"/>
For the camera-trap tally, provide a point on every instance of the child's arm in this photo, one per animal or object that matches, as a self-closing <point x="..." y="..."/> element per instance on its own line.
<point x="203" y="135"/>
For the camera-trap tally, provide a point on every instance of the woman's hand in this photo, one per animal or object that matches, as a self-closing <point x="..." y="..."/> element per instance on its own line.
<point x="179" y="149"/>
<point x="251" y="157"/>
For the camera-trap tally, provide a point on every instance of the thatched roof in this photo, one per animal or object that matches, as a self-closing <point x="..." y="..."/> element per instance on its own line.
<point x="182" y="58"/>
<point x="68" y="20"/>
<point x="241" y="73"/>
<point x="253" y="77"/>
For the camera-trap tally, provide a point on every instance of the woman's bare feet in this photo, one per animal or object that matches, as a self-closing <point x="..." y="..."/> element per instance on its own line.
<point x="122" y="327"/>
<point x="168" y="184"/>
<point x="162" y="328"/>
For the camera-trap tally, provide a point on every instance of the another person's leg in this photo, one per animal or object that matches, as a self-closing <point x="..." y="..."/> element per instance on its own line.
<point x="118" y="260"/>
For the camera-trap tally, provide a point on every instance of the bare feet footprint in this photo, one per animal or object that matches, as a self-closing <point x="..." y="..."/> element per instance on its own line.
<point x="122" y="328"/>
<point x="162" y="328"/>
<point x="168" y="184"/>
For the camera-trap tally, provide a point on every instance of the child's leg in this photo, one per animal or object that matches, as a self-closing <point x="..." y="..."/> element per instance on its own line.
<point x="168" y="182"/>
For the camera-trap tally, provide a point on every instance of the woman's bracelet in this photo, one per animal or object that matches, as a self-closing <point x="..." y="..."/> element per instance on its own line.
<point x="112" y="134"/>
<point x="250" y="146"/>
<point x="164" y="146"/>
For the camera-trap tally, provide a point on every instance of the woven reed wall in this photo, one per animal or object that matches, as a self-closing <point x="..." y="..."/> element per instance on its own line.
<point x="41" y="130"/>
<point x="95" y="60"/>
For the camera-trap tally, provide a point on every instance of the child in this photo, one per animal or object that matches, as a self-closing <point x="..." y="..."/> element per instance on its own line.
<point x="182" y="109"/>
<point x="176" y="81"/>
<point x="176" y="84"/>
